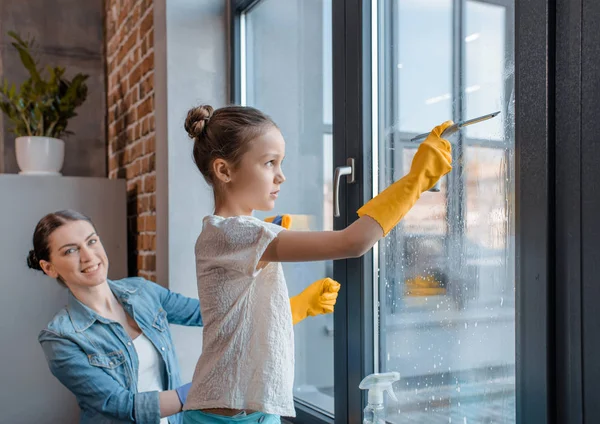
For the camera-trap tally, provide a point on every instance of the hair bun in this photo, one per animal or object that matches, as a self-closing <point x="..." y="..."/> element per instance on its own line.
<point x="197" y="119"/>
<point x="32" y="261"/>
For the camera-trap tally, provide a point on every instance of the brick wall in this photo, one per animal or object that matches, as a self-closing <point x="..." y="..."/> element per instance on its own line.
<point x="131" y="142"/>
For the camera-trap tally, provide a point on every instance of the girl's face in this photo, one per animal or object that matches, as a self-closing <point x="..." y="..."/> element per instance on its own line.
<point x="254" y="184"/>
<point x="76" y="255"/>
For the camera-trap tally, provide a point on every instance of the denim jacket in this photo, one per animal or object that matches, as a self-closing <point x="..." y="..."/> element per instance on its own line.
<point x="95" y="359"/>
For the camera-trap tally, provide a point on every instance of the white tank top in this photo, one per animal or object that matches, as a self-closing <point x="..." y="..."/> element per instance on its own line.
<point x="150" y="369"/>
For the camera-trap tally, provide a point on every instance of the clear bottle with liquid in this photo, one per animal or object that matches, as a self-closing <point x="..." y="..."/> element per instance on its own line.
<point x="377" y="384"/>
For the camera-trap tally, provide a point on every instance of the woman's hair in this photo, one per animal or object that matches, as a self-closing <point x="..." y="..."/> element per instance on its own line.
<point x="43" y="231"/>
<point x="223" y="134"/>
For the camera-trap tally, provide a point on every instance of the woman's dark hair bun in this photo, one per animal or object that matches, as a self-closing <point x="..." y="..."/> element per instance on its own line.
<point x="32" y="261"/>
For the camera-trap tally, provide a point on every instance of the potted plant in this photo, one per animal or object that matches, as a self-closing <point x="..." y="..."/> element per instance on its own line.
<point x="40" y="111"/>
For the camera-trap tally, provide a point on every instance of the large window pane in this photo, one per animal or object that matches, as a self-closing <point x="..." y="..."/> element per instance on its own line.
<point x="288" y="76"/>
<point x="446" y="273"/>
<point x="487" y="66"/>
<point x="423" y="63"/>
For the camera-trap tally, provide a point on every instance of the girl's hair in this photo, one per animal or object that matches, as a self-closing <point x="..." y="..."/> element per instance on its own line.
<point x="43" y="231"/>
<point x="223" y="134"/>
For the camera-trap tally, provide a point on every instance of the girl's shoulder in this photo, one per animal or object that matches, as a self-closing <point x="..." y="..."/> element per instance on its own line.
<point x="236" y="224"/>
<point x="233" y="233"/>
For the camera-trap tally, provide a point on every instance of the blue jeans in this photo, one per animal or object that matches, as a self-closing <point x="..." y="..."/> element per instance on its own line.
<point x="199" y="417"/>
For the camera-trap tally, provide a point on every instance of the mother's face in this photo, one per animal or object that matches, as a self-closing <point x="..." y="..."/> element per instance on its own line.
<point x="76" y="255"/>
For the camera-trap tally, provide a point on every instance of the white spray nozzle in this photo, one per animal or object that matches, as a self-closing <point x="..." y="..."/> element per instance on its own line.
<point x="376" y="384"/>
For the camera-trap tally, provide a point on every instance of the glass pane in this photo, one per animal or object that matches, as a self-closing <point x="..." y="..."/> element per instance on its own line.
<point x="423" y="63"/>
<point x="487" y="67"/>
<point x="447" y="272"/>
<point x="288" y="76"/>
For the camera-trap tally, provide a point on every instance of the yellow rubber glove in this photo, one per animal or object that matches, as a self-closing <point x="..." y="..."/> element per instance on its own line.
<point x="318" y="298"/>
<point x="432" y="161"/>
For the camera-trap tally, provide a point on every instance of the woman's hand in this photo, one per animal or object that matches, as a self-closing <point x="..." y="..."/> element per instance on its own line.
<point x="317" y="299"/>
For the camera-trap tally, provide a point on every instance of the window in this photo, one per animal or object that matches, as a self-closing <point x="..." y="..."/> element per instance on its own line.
<point x="446" y="273"/>
<point x="439" y="299"/>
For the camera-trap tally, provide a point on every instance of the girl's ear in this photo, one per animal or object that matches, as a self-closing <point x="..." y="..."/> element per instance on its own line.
<point x="222" y="170"/>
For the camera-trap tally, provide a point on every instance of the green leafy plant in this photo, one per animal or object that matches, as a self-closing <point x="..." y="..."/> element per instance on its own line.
<point x="43" y="105"/>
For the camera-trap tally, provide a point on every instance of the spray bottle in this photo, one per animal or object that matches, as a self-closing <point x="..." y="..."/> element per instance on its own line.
<point x="376" y="384"/>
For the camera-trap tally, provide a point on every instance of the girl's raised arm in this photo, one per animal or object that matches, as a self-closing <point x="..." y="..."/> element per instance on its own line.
<point x="377" y="217"/>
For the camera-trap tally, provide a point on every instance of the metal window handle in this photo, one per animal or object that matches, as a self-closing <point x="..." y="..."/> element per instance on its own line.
<point x="339" y="172"/>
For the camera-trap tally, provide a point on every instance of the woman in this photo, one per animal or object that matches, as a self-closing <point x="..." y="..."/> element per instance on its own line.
<point x="111" y="345"/>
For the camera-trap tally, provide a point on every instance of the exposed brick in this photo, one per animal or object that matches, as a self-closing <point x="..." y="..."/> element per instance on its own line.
<point x="149" y="145"/>
<point x="151" y="223"/>
<point x="145" y="242"/>
<point x="151" y="39"/>
<point x="145" y="108"/>
<point x="145" y="167"/>
<point x="146" y="85"/>
<point x="143" y="204"/>
<point x="136" y="15"/>
<point x="137" y="149"/>
<point x="152" y="161"/>
<point x="129" y="45"/>
<point x="133" y="170"/>
<point x="129" y="154"/>
<point x="147" y="23"/>
<point x="149" y="244"/>
<point x="147" y="64"/>
<point x="130" y="114"/>
<point x="149" y="184"/>
<point x="144" y="47"/>
<point x="134" y="77"/>
<point x="141" y="223"/>
<point x="144" y="126"/>
<point x="149" y="262"/>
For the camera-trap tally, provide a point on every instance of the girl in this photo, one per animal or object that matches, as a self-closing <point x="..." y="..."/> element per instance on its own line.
<point x="245" y="373"/>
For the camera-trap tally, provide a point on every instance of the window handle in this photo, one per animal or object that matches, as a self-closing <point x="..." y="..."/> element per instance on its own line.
<point x="340" y="171"/>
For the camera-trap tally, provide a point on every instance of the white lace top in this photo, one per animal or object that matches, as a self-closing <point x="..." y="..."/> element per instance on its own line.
<point x="247" y="359"/>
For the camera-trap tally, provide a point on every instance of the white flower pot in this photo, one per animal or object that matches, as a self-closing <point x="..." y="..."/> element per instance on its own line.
<point x="40" y="155"/>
